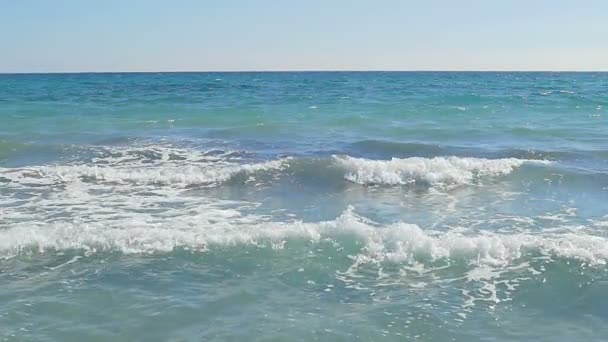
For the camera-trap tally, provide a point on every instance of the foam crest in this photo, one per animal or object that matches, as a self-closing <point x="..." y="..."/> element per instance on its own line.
<point x="221" y="228"/>
<point x="161" y="154"/>
<point x="184" y="175"/>
<point x="170" y="173"/>
<point x="436" y="171"/>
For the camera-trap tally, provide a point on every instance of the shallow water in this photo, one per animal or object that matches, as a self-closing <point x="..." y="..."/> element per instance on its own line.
<point x="304" y="206"/>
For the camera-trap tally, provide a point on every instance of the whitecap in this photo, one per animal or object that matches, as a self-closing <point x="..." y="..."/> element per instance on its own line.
<point x="438" y="171"/>
<point x="220" y="228"/>
<point x="160" y="166"/>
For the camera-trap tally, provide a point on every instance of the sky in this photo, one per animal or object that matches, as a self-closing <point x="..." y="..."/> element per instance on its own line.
<point x="268" y="35"/>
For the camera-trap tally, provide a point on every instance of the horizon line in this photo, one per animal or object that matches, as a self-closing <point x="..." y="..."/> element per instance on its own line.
<point x="297" y="70"/>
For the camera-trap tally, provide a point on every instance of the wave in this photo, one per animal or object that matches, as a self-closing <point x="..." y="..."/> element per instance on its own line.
<point x="169" y="166"/>
<point x="395" y="243"/>
<point x="145" y="165"/>
<point x="185" y="175"/>
<point x="438" y="171"/>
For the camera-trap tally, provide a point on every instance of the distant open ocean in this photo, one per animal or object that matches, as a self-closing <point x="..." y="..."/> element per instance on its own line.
<point x="312" y="206"/>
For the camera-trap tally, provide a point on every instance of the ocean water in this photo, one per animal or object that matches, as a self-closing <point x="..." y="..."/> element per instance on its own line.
<point x="373" y="206"/>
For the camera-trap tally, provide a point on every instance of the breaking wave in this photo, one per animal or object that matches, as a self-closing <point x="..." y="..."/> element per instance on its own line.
<point x="158" y="166"/>
<point x="174" y="167"/>
<point x="399" y="242"/>
<point x="441" y="171"/>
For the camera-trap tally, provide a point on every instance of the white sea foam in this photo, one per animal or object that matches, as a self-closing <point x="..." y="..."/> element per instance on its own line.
<point x="399" y="242"/>
<point x="160" y="154"/>
<point x="439" y="171"/>
<point x="170" y="166"/>
<point x="144" y="167"/>
<point x="185" y="175"/>
<point x="125" y="210"/>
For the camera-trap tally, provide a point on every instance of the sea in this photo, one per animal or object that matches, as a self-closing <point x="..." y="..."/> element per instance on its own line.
<point x="304" y="206"/>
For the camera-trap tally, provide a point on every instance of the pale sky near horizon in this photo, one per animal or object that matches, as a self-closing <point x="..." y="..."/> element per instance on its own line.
<point x="232" y="35"/>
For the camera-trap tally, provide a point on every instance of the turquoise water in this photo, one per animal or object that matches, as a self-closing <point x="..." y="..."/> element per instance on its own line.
<point x="304" y="206"/>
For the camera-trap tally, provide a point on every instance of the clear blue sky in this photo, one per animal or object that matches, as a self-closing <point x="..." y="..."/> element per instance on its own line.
<point x="174" y="35"/>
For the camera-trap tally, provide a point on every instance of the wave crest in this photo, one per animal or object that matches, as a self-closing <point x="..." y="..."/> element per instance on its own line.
<point x="219" y="228"/>
<point x="182" y="175"/>
<point x="158" y="166"/>
<point x="438" y="171"/>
